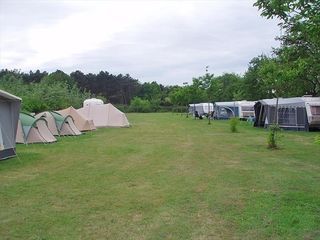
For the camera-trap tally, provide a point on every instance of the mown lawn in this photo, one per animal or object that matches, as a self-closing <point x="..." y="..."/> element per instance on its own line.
<point x="167" y="177"/>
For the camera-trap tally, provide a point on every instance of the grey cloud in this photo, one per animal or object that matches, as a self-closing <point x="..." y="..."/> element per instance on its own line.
<point x="175" y="49"/>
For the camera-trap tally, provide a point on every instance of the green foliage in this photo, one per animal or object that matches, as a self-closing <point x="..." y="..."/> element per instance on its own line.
<point x="140" y="105"/>
<point x="55" y="91"/>
<point x="119" y="89"/>
<point x="150" y="91"/>
<point x="299" y="53"/>
<point x="59" y="77"/>
<point x="273" y="136"/>
<point x="234" y="122"/>
<point x="13" y="84"/>
<point x="226" y="87"/>
<point x="254" y="86"/>
<point x="317" y="139"/>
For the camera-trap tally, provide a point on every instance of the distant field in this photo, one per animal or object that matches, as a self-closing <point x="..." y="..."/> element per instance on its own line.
<point x="166" y="177"/>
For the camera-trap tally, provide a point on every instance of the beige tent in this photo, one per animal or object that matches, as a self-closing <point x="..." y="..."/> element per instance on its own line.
<point x="105" y="115"/>
<point x="59" y="125"/>
<point x="81" y="122"/>
<point x="32" y="130"/>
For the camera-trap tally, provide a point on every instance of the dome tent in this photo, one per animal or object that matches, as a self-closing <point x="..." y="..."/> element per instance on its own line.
<point x="81" y="122"/>
<point x="32" y="130"/>
<point x="59" y="125"/>
<point x="9" y="116"/>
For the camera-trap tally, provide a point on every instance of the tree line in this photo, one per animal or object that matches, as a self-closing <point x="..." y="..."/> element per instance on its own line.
<point x="293" y="69"/>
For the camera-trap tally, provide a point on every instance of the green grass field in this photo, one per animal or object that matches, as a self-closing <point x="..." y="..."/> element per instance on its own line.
<point x="166" y="177"/>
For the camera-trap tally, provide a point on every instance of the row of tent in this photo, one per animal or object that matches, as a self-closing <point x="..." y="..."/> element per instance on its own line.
<point x="44" y="127"/>
<point x="298" y="113"/>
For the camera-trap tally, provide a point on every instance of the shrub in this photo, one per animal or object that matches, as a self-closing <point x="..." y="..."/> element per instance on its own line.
<point x="234" y="121"/>
<point x="48" y="94"/>
<point x="140" y="105"/>
<point x="273" y="136"/>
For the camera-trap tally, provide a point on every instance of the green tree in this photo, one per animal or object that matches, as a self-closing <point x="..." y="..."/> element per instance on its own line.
<point x="226" y="87"/>
<point x="59" y="77"/>
<point x="254" y="86"/>
<point x="300" y="43"/>
<point x="53" y="92"/>
<point x="140" y="105"/>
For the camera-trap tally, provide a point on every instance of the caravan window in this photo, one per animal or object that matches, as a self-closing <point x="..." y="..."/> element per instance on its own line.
<point x="315" y="110"/>
<point x="247" y="108"/>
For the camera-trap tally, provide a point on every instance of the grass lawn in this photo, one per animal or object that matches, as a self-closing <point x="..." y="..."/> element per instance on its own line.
<point x="167" y="177"/>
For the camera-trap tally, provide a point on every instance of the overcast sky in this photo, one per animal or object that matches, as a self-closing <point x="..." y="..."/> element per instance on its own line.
<point x="165" y="41"/>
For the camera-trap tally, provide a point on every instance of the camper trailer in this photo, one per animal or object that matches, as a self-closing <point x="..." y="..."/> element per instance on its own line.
<point x="299" y="113"/>
<point x="201" y="108"/>
<point x="241" y="109"/>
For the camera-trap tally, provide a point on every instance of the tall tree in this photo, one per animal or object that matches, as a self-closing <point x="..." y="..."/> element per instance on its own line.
<point x="254" y="86"/>
<point x="33" y="76"/>
<point x="226" y="87"/>
<point x="300" y="42"/>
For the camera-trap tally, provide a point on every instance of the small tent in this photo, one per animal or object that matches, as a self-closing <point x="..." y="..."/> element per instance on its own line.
<point x="81" y="122"/>
<point x="298" y="113"/>
<point x="104" y="115"/>
<point x="32" y="130"/>
<point x="59" y="125"/>
<point x="9" y="116"/>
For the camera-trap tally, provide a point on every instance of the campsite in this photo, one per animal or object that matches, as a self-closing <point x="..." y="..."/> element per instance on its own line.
<point x="152" y="120"/>
<point x="166" y="177"/>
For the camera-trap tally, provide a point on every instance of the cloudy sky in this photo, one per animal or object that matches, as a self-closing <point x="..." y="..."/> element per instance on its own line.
<point x="165" y="41"/>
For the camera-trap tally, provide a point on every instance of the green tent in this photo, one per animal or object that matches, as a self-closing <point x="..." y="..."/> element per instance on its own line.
<point x="60" y="125"/>
<point x="33" y="130"/>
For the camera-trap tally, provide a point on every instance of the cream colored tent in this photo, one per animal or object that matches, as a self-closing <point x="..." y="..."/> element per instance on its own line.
<point x="32" y="130"/>
<point x="59" y="125"/>
<point x="105" y="115"/>
<point x="81" y="122"/>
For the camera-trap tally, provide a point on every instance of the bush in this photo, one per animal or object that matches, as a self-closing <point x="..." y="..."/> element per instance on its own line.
<point x="273" y="136"/>
<point x="48" y="94"/>
<point x="234" y="121"/>
<point x="140" y="105"/>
